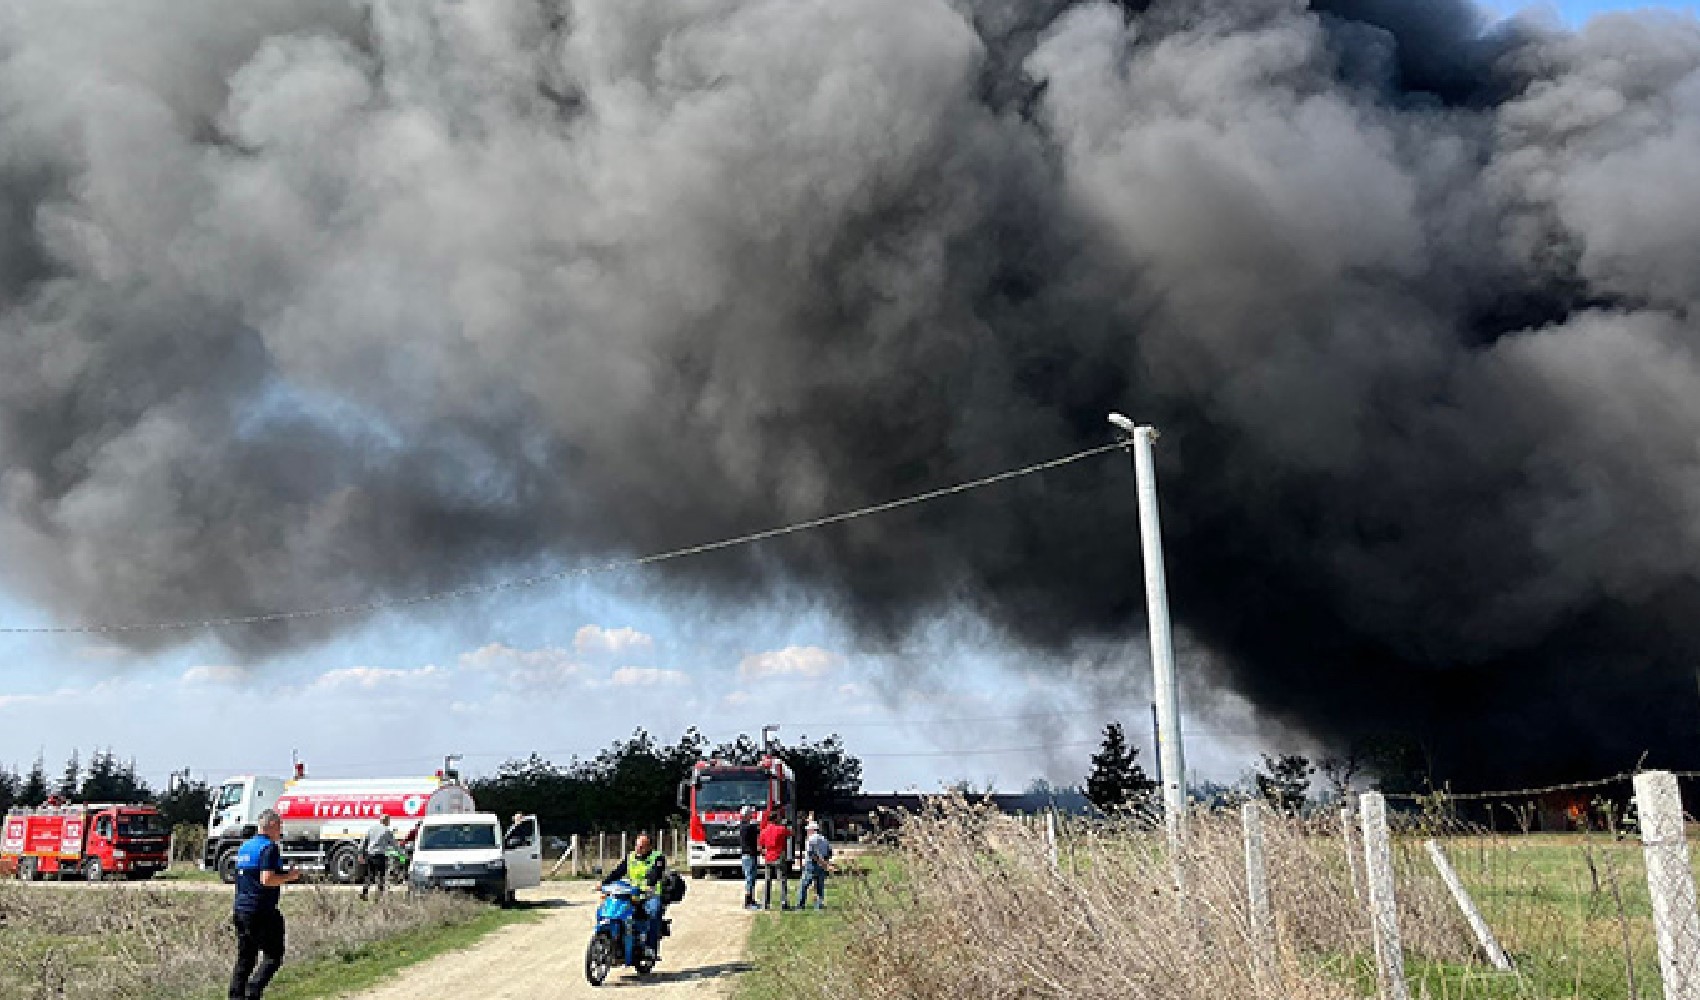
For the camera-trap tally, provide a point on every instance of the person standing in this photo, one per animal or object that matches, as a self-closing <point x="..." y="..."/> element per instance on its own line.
<point x="260" y="878"/>
<point x="379" y="842"/>
<point x="817" y="861"/>
<point x="749" y="851"/>
<point x="775" y="838"/>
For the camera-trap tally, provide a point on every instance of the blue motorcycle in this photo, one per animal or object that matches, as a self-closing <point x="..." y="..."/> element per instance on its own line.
<point x="619" y="936"/>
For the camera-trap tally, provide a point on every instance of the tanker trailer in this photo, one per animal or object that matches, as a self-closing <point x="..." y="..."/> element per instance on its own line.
<point x="324" y="819"/>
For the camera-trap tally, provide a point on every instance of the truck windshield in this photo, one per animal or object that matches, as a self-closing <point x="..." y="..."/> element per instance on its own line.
<point x="230" y="795"/>
<point x="721" y="795"/>
<point x="141" y="826"/>
<point x="457" y="836"/>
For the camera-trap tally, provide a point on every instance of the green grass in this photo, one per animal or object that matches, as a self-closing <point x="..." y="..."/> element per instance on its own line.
<point x="784" y="945"/>
<point x="366" y="965"/>
<point x="185" y="873"/>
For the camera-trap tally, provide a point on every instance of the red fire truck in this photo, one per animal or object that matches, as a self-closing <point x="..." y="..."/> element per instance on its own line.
<point x="93" y="840"/>
<point x="716" y="793"/>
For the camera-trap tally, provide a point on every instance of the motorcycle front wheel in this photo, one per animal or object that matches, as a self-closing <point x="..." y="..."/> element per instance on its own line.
<point x="598" y="958"/>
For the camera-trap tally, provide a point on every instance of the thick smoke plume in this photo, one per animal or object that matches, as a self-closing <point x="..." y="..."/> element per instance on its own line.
<point x="310" y="301"/>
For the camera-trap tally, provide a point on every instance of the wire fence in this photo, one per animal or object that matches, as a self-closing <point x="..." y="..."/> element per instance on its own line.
<point x="1586" y="896"/>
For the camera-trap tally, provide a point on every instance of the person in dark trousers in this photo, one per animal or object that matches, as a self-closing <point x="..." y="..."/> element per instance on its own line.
<point x="645" y="868"/>
<point x="775" y="838"/>
<point x="379" y="842"/>
<point x="260" y="878"/>
<point x="817" y="861"/>
<point x="749" y="851"/>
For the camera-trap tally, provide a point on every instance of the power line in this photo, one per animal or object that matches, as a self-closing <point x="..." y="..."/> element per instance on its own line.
<point x="476" y="590"/>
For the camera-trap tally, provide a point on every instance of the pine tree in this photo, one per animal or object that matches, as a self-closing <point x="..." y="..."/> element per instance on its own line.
<point x="72" y="779"/>
<point x="10" y="784"/>
<point x="1117" y="780"/>
<point x="1285" y="781"/>
<point x="34" y="792"/>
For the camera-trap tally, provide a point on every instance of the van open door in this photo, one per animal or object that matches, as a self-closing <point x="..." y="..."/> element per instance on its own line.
<point x="522" y="849"/>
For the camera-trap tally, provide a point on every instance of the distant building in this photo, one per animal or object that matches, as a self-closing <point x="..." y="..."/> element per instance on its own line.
<point x="864" y="817"/>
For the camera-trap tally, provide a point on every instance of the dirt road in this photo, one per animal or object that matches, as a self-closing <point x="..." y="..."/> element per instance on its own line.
<point x="534" y="961"/>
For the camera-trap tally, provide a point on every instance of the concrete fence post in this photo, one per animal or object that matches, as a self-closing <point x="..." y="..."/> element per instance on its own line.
<point x="622" y="855"/>
<point x="1051" y="837"/>
<point x="1467" y="906"/>
<point x="1383" y="905"/>
<point x="1670" y="883"/>
<point x="576" y="855"/>
<point x="1354" y="853"/>
<point x="601" y="854"/>
<point x="1257" y="897"/>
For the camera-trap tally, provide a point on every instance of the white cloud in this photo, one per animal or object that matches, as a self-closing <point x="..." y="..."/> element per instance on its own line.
<point x="737" y="698"/>
<point x="647" y="677"/>
<point x="213" y="674"/>
<point x="792" y="661"/>
<point x="373" y="678"/>
<point x="593" y="640"/>
<point x="524" y="666"/>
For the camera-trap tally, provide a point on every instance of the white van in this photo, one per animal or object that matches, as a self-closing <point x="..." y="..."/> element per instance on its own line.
<point x="468" y="852"/>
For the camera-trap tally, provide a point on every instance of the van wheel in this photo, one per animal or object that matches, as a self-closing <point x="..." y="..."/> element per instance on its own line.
<point x="92" y="871"/>
<point x="227" y="866"/>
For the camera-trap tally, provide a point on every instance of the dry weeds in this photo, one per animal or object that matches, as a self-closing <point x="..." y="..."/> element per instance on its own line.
<point x="141" y="942"/>
<point x="971" y="906"/>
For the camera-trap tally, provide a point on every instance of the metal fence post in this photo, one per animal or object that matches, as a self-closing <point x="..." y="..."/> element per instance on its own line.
<point x="1257" y="897"/>
<point x="1461" y="896"/>
<point x="1670" y="883"/>
<point x="1383" y="906"/>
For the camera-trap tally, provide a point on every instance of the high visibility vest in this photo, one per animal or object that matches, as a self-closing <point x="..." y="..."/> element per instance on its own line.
<point x="637" y="868"/>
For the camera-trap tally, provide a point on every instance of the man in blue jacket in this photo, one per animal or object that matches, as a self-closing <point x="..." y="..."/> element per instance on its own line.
<point x="260" y="879"/>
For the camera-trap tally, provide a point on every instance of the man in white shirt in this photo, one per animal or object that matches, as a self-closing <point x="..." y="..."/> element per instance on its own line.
<point x="817" y="861"/>
<point x="379" y="842"/>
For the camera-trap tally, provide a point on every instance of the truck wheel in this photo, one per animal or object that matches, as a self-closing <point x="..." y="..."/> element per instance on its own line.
<point x="29" y="870"/>
<point x="141" y="876"/>
<point x="227" y="866"/>
<point x="696" y="873"/>
<point x="92" y="872"/>
<point x="344" y="864"/>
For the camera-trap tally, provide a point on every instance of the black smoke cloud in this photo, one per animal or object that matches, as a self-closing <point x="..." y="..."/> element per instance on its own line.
<point x="312" y="302"/>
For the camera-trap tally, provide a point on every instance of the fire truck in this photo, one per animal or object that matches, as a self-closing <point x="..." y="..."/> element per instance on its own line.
<point x="716" y="793"/>
<point x="324" y="819"/>
<point x="91" y="840"/>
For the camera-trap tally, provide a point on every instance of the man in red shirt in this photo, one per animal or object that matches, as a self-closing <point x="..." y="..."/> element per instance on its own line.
<point x="775" y="839"/>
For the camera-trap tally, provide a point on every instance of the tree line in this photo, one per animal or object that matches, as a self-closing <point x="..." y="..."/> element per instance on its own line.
<point x="633" y="784"/>
<point x="104" y="778"/>
<point x="1285" y="781"/>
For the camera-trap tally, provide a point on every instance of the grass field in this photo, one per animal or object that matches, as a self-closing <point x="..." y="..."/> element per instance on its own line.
<point x="981" y="913"/>
<point x="144" y="942"/>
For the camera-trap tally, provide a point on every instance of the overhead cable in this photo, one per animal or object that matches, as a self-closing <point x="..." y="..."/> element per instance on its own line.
<point x="481" y="589"/>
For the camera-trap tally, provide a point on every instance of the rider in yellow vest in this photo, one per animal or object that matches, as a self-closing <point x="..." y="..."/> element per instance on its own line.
<point x="645" y="868"/>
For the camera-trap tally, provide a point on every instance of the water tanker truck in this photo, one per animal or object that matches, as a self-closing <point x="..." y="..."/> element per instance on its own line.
<point x="324" y="819"/>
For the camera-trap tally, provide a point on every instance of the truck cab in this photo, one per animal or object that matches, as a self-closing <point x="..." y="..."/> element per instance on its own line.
<point x="470" y="852"/>
<point x="236" y="806"/>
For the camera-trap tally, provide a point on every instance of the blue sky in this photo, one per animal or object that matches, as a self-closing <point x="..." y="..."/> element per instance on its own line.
<point x="1577" y="12"/>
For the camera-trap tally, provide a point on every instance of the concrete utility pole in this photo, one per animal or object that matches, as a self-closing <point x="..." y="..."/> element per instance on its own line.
<point x="1170" y="755"/>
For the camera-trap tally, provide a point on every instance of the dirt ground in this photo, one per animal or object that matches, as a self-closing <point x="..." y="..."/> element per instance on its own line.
<point x="545" y="959"/>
